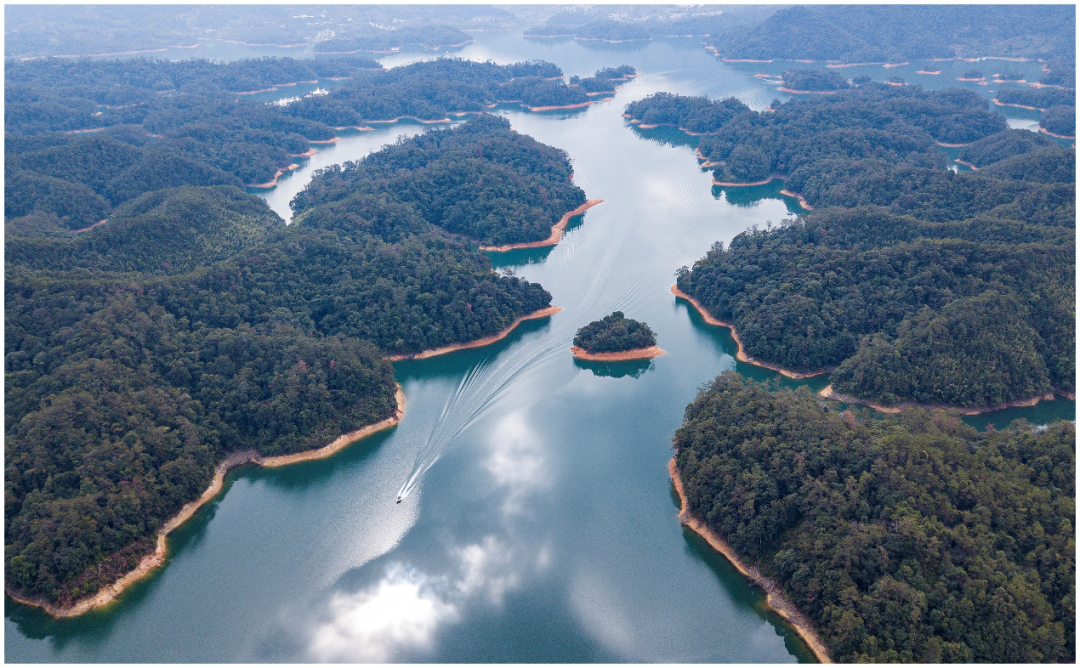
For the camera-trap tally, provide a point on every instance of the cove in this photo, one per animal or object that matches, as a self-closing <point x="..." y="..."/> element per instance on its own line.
<point x="540" y="523"/>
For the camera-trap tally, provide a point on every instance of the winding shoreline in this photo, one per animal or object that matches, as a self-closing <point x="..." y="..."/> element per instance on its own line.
<point x="556" y="231"/>
<point x="785" y="89"/>
<point x="273" y="182"/>
<point x="802" y="201"/>
<point x="1018" y="106"/>
<point x="741" y="354"/>
<point x="966" y="164"/>
<point x="579" y="105"/>
<point x="774" y="597"/>
<point x="1047" y="132"/>
<point x="829" y="393"/>
<point x="736" y="184"/>
<point x="478" y="343"/>
<point x="156" y="559"/>
<point x="635" y="354"/>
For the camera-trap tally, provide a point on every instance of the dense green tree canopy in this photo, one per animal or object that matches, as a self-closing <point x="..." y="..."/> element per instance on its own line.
<point x="910" y="539"/>
<point x="614" y="333"/>
<point x="481" y="180"/>
<point x="807" y="294"/>
<point x="193" y="326"/>
<point x="815" y="80"/>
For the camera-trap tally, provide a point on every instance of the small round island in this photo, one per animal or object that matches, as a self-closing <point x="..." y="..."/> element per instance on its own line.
<point x="615" y="338"/>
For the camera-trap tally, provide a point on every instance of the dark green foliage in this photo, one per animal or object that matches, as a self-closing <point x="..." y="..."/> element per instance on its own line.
<point x="164" y="231"/>
<point x="910" y="539"/>
<point x="1060" y="119"/>
<point x="815" y="80"/>
<point x="1053" y="165"/>
<point x="696" y="114"/>
<point x="614" y="334"/>
<point x="1062" y="72"/>
<point x="435" y="89"/>
<point x="1003" y="145"/>
<point x="876" y="33"/>
<point x="425" y="291"/>
<point x="977" y="351"/>
<point x="874" y="122"/>
<point x="193" y="326"/>
<point x="939" y="195"/>
<point x="803" y="295"/>
<point x="74" y="205"/>
<point x="1040" y="98"/>
<point x="481" y="180"/>
<point x="822" y="142"/>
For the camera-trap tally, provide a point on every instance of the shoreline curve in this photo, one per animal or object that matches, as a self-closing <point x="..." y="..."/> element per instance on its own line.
<point x="774" y="597"/>
<point x="478" y="343"/>
<point x="156" y="559"/>
<point x="802" y="201"/>
<point x="736" y="184"/>
<point x="556" y="231"/>
<point x="1047" y="132"/>
<point x="624" y="355"/>
<point x="829" y="393"/>
<point x="741" y="353"/>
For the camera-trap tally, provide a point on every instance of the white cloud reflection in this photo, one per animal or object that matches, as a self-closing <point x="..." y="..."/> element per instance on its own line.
<point x="401" y="610"/>
<point x="405" y="609"/>
<point x="516" y="461"/>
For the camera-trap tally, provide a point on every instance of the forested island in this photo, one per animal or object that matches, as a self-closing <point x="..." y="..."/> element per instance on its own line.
<point x="910" y="539"/>
<point x="194" y="330"/>
<point x="614" y="338"/>
<point x="813" y="81"/>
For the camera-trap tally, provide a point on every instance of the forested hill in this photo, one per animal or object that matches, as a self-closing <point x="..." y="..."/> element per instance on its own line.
<point x="974" y="312"/>
<point x="482" y="180"/>
<point x="192" y="325"/>
<point x="85" y="136"/>
<point x="807" y="138"/>
<point x="910" y="539"/>
<point x="434" y="90"/>
<point x="820" y="292"/>
<point x="893" y="33"/>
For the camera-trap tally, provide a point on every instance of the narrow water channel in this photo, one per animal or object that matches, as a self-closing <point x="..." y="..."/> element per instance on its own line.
<point x="541" y="524"/>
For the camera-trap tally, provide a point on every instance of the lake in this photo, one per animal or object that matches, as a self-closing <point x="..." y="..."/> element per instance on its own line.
<point x="539" y="523"/>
